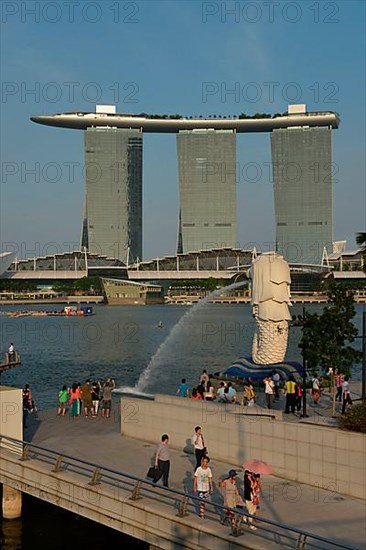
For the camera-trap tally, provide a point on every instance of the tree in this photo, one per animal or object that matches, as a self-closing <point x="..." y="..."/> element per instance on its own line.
<point x="326" y="336"/>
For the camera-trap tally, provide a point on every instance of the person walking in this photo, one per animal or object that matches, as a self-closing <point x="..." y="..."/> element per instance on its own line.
<point x="202" y="484"/>
<point x="290" y="389"/>
<point x="231" y="496"/>
<point x="248" y="497"/>
<point x="162" y="460"/>
<point x="199" y="446"/>
<point x="269" y="390"/>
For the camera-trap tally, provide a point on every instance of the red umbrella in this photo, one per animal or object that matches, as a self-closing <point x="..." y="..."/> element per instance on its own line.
<point x="258" y="466"/>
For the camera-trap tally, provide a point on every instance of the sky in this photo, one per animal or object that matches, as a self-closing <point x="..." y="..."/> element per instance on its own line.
<point x="187" y="57"/>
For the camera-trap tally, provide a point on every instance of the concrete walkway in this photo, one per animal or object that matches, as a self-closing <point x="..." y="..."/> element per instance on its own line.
<point x="320" y="511"/>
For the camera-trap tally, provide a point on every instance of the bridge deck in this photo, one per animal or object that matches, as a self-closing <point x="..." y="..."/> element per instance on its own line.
<point x="323" y="512"/>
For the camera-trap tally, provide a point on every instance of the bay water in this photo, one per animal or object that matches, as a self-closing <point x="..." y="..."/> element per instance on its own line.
<point x="119" y="342"/>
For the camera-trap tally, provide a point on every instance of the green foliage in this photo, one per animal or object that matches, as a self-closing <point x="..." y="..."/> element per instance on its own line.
<point x="355" y="418"/>
<point x="326" y="336"/>
<point x="63" y="287"/>
<point x="9" y="285"/>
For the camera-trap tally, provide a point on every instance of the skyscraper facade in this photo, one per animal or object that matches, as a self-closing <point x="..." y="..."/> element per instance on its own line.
<point x="112" y="222"/>
<point x="207" y="188"/>
<point x="303" y="192"/>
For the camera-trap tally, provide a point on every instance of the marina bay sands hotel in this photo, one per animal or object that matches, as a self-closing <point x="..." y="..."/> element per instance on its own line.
<point x="301" y="165"/>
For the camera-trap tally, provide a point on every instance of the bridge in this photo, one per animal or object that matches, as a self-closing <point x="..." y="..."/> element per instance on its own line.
<point x="87" y="466"/>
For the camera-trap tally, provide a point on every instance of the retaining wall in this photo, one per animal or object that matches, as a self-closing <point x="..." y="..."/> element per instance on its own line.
<point x="317" y="455"/>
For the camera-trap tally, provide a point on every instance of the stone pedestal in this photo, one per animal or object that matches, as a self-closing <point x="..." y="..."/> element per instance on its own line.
<point x="12" y="503"/>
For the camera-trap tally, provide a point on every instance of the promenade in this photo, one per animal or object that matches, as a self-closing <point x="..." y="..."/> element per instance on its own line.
<point x="323" y="512"/>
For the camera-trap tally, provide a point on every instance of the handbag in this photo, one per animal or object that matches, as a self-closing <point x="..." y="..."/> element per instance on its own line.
<point x="153" y="472"/>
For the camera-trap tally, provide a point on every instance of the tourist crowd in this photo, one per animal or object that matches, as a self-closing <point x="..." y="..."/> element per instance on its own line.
<point x="292" y="389"/>
<point x="87" y="399"/>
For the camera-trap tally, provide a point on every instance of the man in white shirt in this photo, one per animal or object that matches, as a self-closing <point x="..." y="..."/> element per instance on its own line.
<point x="11" y="353"/>
<point x="269" y="389"/>
<point x="203" y="483"/>
<point x="346" y="395"/>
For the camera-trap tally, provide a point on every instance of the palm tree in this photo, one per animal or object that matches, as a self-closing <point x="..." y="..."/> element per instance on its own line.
<point x="361" y="241"/>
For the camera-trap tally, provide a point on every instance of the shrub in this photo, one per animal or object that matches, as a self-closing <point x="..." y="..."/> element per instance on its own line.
<point x="355" y="418"/>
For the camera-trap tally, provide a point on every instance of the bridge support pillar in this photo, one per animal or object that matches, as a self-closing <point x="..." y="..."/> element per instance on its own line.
<point x="12" y="503"/>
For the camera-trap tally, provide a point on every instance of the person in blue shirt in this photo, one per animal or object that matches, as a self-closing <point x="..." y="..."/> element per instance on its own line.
<point x="183" y="389"/>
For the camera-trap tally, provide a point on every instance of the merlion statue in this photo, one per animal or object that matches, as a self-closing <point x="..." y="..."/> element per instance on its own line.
<point x="271" y="280"/>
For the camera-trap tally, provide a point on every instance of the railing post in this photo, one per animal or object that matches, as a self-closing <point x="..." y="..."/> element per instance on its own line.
<point x="58" y="465"/>
<point x="25" y="453"/>
<point x="136" y="491"/>
<point x="301" y="541"/>
<point x="95" y="480"/>
<point x="182" y="508"/>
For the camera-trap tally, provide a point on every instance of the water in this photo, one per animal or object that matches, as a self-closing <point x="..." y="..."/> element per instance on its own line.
<point x="156" y="364"/>
<point x="120" y="342"/>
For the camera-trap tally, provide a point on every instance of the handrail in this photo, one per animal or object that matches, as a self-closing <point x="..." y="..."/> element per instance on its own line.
<point x="99" y="472"/>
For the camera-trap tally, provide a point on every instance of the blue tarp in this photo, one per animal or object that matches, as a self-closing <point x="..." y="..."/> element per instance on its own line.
<point x="245" y="367"/>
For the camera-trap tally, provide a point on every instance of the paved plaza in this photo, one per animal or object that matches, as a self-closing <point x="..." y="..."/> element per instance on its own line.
<point x="319" y="510"/>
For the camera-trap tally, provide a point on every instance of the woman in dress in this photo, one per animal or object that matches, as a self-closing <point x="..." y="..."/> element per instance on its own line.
<point x="210" y="392"/>
<point x="231" y="496"/>
<point x="75" y="400"/>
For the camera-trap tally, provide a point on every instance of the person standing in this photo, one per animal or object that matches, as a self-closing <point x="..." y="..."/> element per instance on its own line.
<point x="339" y="379"/>
<point x="248" y="497"/>
<point x="162" y="460"/>
<point x="11" y="353"/>
<point x="95" y="393"/>
<point x="276" y="379"/>
<point x="107" y="400"/>
<point x="290" y="389"/>
<point x="75" y="400"/>
<point x="86" y="396"/>
<point x="204" y="378"/>
<point x="346" y="395"/>
<point x="183" y="389"/>
<point x="269" y="390"/>
<point x="63" y="395"/>
<point x="299" y="396"/>
<point x="315" y="390"/>
<point x="202" y="484"/>
<point x="199" y="446"/>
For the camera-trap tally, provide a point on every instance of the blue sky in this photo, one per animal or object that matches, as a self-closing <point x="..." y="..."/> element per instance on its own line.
<point x="162" y="57"/>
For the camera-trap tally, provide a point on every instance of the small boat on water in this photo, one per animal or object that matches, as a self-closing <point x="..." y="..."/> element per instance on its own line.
<point x="68" y="311"/>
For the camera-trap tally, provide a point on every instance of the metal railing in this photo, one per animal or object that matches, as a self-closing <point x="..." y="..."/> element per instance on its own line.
<point x="184" y="502"/>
